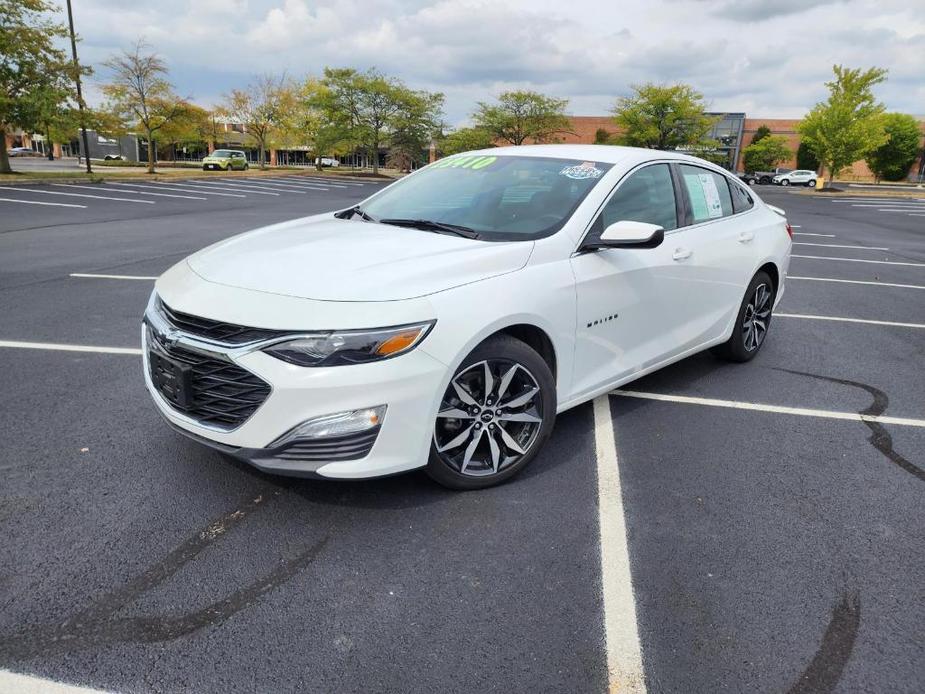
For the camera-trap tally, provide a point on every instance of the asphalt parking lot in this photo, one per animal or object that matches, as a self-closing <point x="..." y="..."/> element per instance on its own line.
<point x="774" y="512"/>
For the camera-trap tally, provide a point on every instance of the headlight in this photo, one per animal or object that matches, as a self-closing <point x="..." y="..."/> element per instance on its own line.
<point x="350" y="346"/>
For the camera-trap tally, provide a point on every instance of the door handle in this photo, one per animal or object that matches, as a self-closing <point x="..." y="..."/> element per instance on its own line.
<point x="746" y="236"/>
<point x="681" y="254"/>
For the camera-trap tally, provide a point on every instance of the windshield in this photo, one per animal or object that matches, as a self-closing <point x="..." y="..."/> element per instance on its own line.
<point x="501" y="198"/>
<point x="221" y="153"/>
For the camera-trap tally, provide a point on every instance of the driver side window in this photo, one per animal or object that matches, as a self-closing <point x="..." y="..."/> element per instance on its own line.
<point x="646" y="196"/>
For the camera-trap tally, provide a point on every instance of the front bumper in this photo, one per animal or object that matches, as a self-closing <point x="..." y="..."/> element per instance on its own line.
<point x="409" y="385"/>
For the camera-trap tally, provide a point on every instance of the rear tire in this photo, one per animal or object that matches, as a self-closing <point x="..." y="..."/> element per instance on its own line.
<point x="245" y="166"/>
<point x="752" y="321"/>
<point x="500" y="429"/>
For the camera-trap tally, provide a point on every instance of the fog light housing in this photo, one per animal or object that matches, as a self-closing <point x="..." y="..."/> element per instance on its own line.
<point x="334" y="425"/>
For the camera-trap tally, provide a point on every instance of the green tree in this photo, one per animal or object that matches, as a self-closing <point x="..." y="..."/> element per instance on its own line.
<point x="140" y="93"/>
<point x="413" y="127"/>
<point x="892" y="159"/>
<point x="325" y="132"/>
<point x="523" y="115"/>
<point x="375" y="109"/>
<point x="263" y="108"/>
<point x="761" y="132"/>
<point x="657" y="117"/>
<point x="806" y="159"/>
<point x="602" y="136"/>
<point x="849" y="124"/>
<point x="465" y="140"/>
<point x="34" y="73"/>
<point x="766" y="154"/>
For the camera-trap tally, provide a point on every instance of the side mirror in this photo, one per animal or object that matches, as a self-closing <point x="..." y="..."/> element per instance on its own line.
<point x="629" y="234"/>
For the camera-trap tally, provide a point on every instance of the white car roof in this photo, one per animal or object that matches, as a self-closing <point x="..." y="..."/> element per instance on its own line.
<point x="607" y="154"/>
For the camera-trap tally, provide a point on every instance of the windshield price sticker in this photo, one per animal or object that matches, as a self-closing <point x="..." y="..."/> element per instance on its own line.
<point x="464" y="162"/>
<point x="582" y="171"/>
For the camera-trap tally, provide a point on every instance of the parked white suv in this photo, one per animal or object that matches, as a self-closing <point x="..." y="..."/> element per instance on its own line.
<point x="801" y="177"/>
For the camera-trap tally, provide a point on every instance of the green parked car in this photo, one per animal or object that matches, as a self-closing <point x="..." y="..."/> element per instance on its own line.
<point x="225" y="160"/>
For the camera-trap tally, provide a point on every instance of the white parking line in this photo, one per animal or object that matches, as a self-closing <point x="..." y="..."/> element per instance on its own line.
<point x="805" y="233"/>
<point x="321" y="179"/>
<point x="850" y="320"/>
<point x="313" y="183"/>
<point x="89" y="275"/>
<point x="885" y="203"/>
<point x="37" y="202"/>
<point x="271" y="186"/>
<point x="209" y="185"/>
<point x="875" y="284"/>
<point x="285" y="184"/>
<point x="777" y="409"/>
<point x="857" y="260"/>
<point x="84" y="195"/>
<point x="189" y="189"/>
<point x="795" y="226"/>
<point x="624" y="652"/>
<point x="901" y="209"/>
<point x="137" y="192"/>
<point x="54" y="346"/>
<point x="13" y="682"/>
<point x="835" y="245"/>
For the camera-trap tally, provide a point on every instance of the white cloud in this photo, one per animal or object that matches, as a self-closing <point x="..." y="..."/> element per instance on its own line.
<point x="766" y="58"/>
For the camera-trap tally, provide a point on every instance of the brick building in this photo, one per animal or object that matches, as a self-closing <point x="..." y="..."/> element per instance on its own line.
<point x="735" y="132"/>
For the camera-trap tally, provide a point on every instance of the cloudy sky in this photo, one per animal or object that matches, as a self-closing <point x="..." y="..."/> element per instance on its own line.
<point x="768" y="58"/>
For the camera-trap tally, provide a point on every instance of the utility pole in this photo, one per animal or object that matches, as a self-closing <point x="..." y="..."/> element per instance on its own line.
<point x="80" y="98"/>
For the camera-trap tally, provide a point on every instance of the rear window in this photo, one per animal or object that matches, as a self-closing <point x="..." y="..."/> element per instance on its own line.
<point x="707" y="192"/>
<point x="741" y="199"/>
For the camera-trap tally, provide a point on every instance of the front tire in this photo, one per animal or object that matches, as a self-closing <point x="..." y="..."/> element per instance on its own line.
<point x="811" y="183"/>
<point x="246" y="166"/>
<point x="785" y="182"/>
<point x="495" y="415"/>
<point x="752" y="321"/>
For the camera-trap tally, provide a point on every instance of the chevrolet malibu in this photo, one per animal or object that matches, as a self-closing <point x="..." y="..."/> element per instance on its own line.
<point x="444" y="321"/>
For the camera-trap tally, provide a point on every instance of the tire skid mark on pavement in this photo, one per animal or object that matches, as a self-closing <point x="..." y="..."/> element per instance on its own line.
<point x="97" y="625"/>
<point x="880" y="438"/>
<point x="825" y="669"/>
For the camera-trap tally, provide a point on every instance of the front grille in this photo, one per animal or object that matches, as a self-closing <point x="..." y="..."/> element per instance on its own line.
<point x="209" y="389"/>
<point x="348" y="447"/>
<point x="217" y="331"/>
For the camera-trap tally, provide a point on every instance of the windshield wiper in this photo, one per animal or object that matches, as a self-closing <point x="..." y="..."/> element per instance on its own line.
<point x="430" y="225"/>
<point x="355" y="210"/>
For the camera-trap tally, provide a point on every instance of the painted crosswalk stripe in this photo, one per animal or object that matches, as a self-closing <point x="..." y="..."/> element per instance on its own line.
<point x="187" y="189"/>
<point x="137" y="192"/>
<point x="857" y="260"/>
<point x="778" y="409"/>
<point x="85" y="195"/>
<point x="867" y="282"/>
<point x="841" y="319"/>
<point x="39" y="202"/>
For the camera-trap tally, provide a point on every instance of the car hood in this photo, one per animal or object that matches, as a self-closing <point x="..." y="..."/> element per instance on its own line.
<point x="331" y="259"/>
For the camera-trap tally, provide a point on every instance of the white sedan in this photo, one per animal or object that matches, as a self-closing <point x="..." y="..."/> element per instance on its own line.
<point x="446" y="320"/>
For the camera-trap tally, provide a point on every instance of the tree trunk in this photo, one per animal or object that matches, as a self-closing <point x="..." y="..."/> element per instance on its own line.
<point x="375" y="155"/>
<point x="4" y="159"/>
<point x="152" y="152"/>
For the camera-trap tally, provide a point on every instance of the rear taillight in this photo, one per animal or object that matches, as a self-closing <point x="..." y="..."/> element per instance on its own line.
<point x="790" y="231"/>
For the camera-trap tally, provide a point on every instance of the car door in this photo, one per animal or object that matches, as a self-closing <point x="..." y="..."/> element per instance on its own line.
<point x="720" y="236"/>
<point x="632" y="304"/>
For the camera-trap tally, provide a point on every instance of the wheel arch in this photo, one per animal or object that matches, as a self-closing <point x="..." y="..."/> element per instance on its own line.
<point x="535" y="337"/>
<point x="773" y="272"/>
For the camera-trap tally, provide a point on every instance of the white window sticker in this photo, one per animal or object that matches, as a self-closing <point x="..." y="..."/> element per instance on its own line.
<point x="704" y="196"/>
<point x="711" y="195"/>
<point x="581" y="171"/>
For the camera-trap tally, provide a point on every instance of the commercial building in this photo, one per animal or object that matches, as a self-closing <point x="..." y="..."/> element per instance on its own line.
<point x="734" y="131"/>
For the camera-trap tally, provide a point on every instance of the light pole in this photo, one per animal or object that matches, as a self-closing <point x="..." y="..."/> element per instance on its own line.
<point x="80" y="98"/>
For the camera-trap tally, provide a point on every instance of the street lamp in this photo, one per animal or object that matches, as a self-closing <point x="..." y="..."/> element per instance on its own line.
<point x="80" y="98"/>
